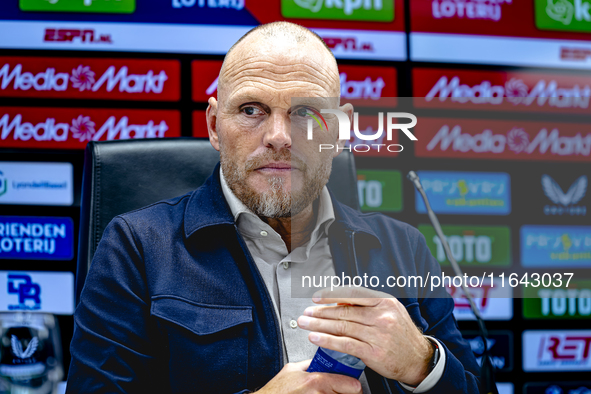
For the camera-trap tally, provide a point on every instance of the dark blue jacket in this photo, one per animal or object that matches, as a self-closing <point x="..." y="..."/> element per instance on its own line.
<point x="174" y="303"/>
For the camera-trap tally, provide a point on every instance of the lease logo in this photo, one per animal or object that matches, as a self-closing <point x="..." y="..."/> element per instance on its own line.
<point x="570" y="15"/>
<point x="103" y="6"/>
<point x="565" y="201"/>
<point x="471" y="245"/>
<point x="556" y="246"/>
<point x="469" y="193"/>
<point x="356" y="10"/>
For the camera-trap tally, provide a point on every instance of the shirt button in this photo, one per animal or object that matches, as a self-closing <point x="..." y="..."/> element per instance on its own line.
<point x="264" y="233"/>
<point x="286" y="264"/>
<point x="293" y="324"/>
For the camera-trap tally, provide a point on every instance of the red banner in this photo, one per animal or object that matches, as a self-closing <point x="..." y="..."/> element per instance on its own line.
<point x="205" y="79"/>
<point x="72" y="128"/>
<point x="501" y="90"/>
<point x="489" y="17"/>
<point x="504" y="140"/>
<point x="200" y="124"/>
<point x="367" y="83"/>
<point x="90" y="78"/>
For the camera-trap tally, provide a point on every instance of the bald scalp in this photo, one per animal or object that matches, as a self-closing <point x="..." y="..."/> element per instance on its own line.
<point x="280" y="36"/>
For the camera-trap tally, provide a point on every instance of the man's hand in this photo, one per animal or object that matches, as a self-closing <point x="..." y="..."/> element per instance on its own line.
<point x="372" y="326"/>
<point x="293" y="378"/>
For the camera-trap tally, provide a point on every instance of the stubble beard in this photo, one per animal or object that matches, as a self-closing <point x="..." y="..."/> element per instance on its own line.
<point x="277" y="203"/>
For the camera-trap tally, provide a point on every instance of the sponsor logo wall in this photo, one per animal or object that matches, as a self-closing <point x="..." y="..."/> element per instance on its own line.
<point x="471" y="245"/>
<point x="556" y="246"/>
<point x="511" y="187"/>
<point x="572" y="302"/>
<point x="37" y="238"/>
<point x="506" y="140"/>
<point x="24" y="183"/>
<point x="500" y="347"/>
<point x="494" y="302"/>
<point x="556" y="350"/>
<point x="50" y="292"/>
<point x="466" y="193"/>
<point x="72" y="128"/>
<point x="506" y="90"/>
<point x="557" y="388"/>
<point x="380" y="190"/>
<point x="90" y="78"/>
<point x="360" y="83"/>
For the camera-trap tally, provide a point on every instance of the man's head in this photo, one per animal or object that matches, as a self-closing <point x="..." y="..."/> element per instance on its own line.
<point x="274" y="172"/>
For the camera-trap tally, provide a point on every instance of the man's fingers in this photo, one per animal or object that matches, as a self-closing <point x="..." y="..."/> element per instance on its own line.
<point x="347" y="345"/>
<point x="342" y="328"/>
<point x="346" y="295"/>
<point x="302" y="365"/>
<point x="358" y="314"/>
<point x="343" y="384"/>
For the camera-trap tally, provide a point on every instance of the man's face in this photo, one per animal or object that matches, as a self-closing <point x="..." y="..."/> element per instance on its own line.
<point x="265" y="156"/>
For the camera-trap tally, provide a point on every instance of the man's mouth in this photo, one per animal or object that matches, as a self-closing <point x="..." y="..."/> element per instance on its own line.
<point x="275" y="168"/>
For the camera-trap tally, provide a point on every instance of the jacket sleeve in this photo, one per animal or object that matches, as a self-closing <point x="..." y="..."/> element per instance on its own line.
<point x="111" y="351"/>
<point x="462" y="372"/>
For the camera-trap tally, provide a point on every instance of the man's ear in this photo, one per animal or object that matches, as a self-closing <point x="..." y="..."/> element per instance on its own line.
<point x="348" y="109"/>
<point x="212" y="116"/>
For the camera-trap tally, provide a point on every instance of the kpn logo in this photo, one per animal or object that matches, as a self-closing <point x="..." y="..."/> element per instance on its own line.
<point x="354" y="10"/>
<point x="569" y="15"/>
<point x="102" y="6"/>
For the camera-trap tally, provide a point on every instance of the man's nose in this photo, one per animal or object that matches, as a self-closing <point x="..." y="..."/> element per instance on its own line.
<point x="278" y="134"/>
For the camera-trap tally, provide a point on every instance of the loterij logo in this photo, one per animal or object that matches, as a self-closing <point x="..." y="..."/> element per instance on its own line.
<point x="360" y="10"/>
<point x="102" y="6"/>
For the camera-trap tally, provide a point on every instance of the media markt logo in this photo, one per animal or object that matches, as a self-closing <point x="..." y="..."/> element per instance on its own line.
<point x="570" y="15"/>
<point x="565" y="202"/>
<point x="355" y="10"/>
<point x="106" y="6"/>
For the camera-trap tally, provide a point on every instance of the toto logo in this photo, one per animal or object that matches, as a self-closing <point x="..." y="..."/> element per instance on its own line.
<point x="313" y="116"/>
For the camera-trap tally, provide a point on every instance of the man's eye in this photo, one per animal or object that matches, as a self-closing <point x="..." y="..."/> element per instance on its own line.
<point x="251" y="111"/>
<point x="302" y="111"/>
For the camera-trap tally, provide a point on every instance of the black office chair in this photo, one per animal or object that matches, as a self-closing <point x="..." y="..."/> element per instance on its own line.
<point x="120" y="176"/>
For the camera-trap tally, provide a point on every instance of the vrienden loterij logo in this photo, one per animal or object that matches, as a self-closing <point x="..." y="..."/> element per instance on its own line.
<point x="315" y="116"/>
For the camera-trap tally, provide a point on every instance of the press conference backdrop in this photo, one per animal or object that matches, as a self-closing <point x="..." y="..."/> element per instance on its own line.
<point x="72" y="71"/>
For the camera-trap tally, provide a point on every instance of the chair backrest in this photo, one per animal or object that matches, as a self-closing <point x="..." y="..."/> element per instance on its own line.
<point x="120" y="176"/>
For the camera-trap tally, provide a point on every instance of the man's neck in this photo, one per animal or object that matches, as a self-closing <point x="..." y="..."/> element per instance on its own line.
<point x="295" y="230"/>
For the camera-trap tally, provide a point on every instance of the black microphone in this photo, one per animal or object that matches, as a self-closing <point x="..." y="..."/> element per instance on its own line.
<point x="487" y="371"/>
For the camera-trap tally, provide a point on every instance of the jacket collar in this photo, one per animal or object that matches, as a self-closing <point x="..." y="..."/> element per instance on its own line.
<point x="208" y="207"/>
<point x="350" y="219"/>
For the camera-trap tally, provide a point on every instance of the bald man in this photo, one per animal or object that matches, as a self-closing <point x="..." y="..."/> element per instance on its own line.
<point x="193" y="294"/>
